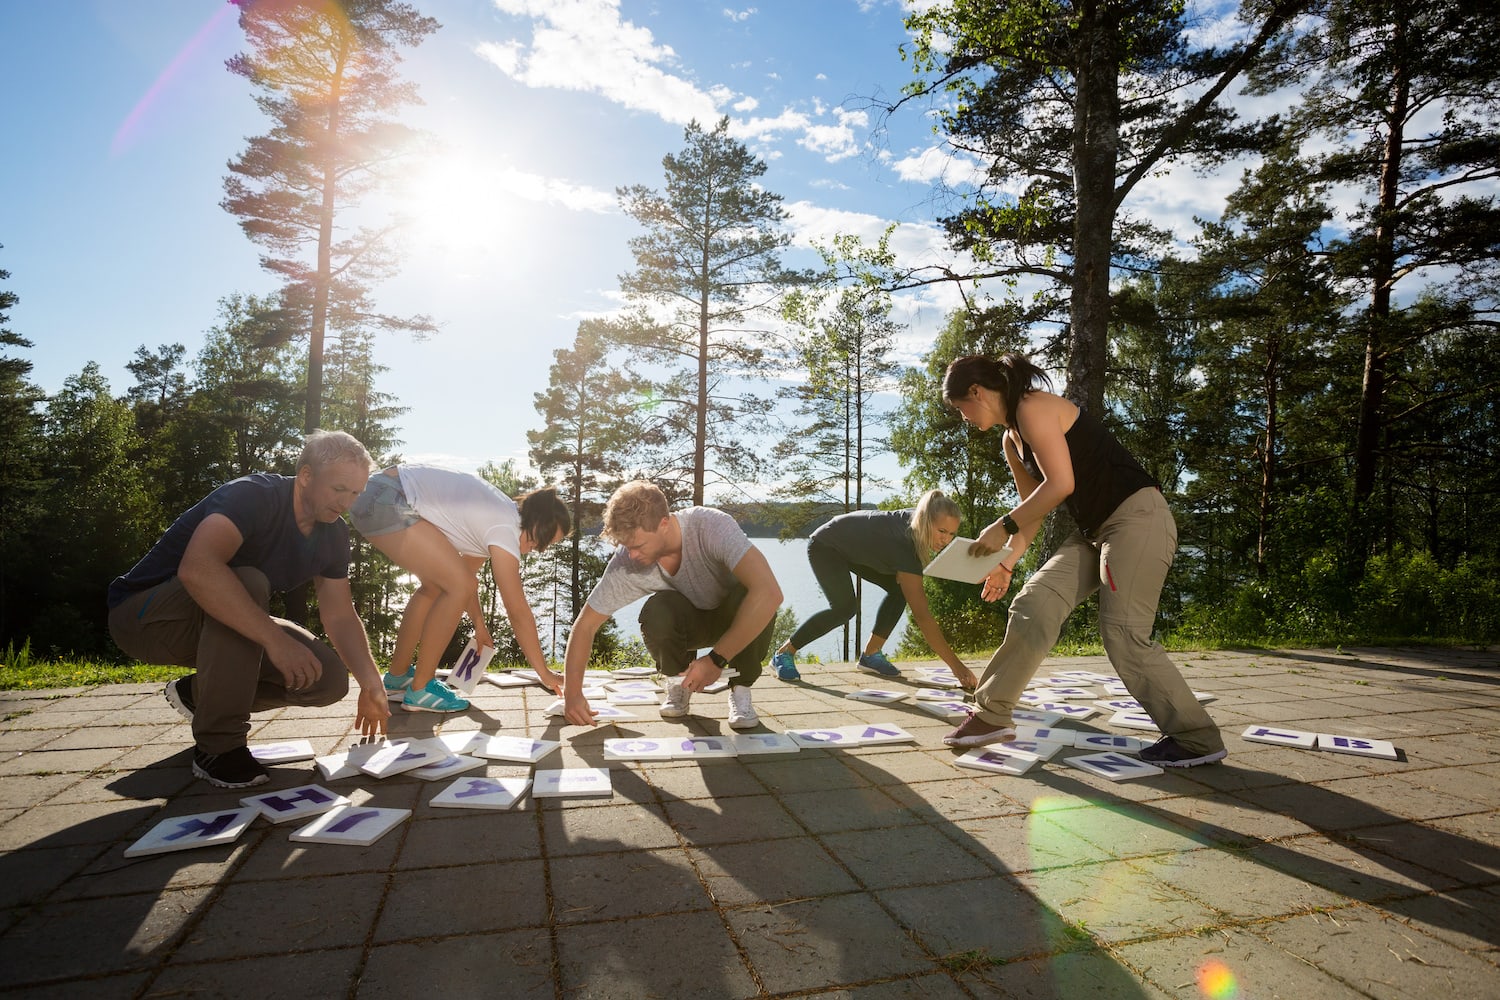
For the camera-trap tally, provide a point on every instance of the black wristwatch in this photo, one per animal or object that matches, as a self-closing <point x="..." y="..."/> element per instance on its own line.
<point x="720" y="660"/>
<point x="1009" y="524"/>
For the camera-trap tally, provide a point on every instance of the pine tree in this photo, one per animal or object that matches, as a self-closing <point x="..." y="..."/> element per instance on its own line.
<point x="326" y="73"/>
<point x="1409" y="97"/>
<point x="709" y="263"/>
<point x="1076" y="102"/>
<point x="21" y="479"/>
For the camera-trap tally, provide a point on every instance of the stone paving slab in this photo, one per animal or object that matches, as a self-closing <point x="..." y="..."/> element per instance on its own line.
<point x="871" y="873"/>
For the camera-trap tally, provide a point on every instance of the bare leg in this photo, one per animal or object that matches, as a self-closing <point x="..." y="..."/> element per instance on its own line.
<point x="424" y="550"/>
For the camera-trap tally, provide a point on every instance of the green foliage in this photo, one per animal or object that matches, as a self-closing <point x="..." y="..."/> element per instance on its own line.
<point x="711" y="255"/>
<point x="22" y="671"/>
<point x="326" y="76"/>
<point x="843" y="349"/>
<point x="1405" y="595"/>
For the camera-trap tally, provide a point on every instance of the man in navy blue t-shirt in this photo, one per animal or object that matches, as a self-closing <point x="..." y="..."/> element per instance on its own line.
<point x="199" y="598"/>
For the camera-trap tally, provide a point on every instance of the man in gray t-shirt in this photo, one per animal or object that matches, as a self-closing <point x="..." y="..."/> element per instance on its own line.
<point x="709" y="588"/>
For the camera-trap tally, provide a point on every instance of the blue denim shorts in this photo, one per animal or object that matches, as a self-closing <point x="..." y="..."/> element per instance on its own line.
<point x="382" y="508"/>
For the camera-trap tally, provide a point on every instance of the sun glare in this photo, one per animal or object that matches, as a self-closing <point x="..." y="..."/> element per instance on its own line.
<point x="456" y="209"/>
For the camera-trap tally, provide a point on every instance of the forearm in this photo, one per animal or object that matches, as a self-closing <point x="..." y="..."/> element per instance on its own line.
<point x="938" y="642"/>
<point x="347" y="633"/>
<point x="576" y="657"/>
<point x="217" y="589"/>
<point x="523" y="626"/>
<point x="754" y="614"/>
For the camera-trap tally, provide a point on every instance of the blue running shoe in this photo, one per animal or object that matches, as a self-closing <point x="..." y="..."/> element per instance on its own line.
<point x="435" y="697"/>
<point x="876" y="663"/>
<point x="396" y="685"/>
<point x="786" y="666"/>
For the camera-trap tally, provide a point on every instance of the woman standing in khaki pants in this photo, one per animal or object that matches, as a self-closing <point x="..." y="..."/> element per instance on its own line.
<point x="1060" y="455"/>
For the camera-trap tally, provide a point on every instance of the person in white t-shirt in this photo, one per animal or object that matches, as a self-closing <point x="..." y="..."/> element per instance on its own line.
<point x="708" y="586"/>
<point x="441" y="526"/>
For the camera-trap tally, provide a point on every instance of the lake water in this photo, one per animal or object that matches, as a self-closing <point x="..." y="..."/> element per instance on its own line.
<point x="801" y="593"/>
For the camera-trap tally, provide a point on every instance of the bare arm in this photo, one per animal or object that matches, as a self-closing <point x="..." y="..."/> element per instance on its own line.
<point x="347" y="632"/>
<point x="475" y="611"/>
<point x="507" y="572"/>
<point x="916" y="599"/>
<point x="576" y="661"/>
<point x="762" y="599"/>
<point x="213" y="585"/>
<point x="1045" y="419"/>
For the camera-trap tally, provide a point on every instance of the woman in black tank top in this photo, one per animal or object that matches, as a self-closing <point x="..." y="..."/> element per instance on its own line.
<point x="1059" y="455"/>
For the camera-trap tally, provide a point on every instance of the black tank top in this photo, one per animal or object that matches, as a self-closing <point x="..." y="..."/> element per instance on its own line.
<point x="1104" y="473"/>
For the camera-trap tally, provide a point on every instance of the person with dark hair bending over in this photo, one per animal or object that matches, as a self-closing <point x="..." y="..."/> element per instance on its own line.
<point x="1122" y="549"/>
<point x="441" y="525"/>
<point x="888" y="548"/>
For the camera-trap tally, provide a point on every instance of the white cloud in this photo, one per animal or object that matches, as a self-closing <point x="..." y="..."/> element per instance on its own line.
<point x="936" y="165"/>
<point x="583" y="45"/>
<point x="740" y="15"/>
<point x="553" y="191"/>
<point x="745" y="105"/>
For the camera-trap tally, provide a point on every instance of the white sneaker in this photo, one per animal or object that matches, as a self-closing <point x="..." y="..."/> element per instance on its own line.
<point x="741" y="712"/>
<point x="675" y="705"/>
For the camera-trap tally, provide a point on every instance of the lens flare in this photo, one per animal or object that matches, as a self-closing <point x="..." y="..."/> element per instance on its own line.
<point x="125" y="134"/>
<point x="1216" y="981"/>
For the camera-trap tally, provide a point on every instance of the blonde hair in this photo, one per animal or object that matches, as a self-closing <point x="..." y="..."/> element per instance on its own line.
<point x="635" y="506"/>
<point x="324" y="448"/>
<point x="933" y="505"/>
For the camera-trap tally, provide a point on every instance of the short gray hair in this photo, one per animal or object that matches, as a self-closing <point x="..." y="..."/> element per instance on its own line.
<point x="325" y="448"/>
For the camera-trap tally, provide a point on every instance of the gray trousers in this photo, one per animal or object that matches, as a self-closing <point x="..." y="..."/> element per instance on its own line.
<point x="1127" y="564"/>
<point x="233" y="679"/>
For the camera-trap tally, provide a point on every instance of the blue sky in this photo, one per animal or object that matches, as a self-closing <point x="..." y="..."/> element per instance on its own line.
<point x="122" y="118"/>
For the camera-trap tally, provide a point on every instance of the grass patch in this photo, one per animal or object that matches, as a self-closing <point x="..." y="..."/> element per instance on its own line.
<point x="20" y="671"/>
<point x="974" y="960"/>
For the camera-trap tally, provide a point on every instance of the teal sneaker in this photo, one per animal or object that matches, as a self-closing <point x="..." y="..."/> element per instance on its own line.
<point x="435" y="697"/>
<point x="396" y="685"/>
<point x="876" y="663"/>
<point x="786" y="667"/>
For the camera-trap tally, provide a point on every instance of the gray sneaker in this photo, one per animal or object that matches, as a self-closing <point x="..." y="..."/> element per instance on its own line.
<point x="675" y="704"/>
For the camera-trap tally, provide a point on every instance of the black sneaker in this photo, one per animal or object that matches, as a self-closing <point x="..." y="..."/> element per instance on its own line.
<point x="179" y="695"/>
<point x="231" y="769"/>
<point x="1167" y="752"/>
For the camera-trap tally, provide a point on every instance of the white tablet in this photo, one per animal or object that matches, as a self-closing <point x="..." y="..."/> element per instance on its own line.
<point x="955" y="563"/>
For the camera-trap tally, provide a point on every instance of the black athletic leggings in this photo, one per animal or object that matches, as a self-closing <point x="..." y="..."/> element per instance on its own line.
<point x="833" y="571"/>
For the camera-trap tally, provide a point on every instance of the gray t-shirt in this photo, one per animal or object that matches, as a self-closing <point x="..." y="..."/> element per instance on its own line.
<point x="712" y="546"/>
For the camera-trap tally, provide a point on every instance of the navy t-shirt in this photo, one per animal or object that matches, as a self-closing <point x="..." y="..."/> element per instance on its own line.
<point x="260" y="506"/>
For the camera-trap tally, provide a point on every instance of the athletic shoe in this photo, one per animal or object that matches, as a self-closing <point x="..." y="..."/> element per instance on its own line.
<point x="675" y="704"/>
<point x="786" y="666"/>
<point x="232" y="769"/>
<point x="876" y="663"/>
<point x="435" y="697"/>
<point x="975" y="732"/>
<point x="741" y="711"/>
<point x="1167" y="752"/>
<point x="179" y="695"/>
<point x="396" y="685"/>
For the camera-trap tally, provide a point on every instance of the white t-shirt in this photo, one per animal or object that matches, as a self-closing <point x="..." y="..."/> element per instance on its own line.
<point x="712" y="546"/>
<point x="470" y="513"/>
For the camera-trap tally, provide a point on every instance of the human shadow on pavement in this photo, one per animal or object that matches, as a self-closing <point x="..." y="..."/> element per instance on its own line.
<point x="826" y="882"/>
<point x="1421" y="858"/>
<point x="76" y="908"/>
